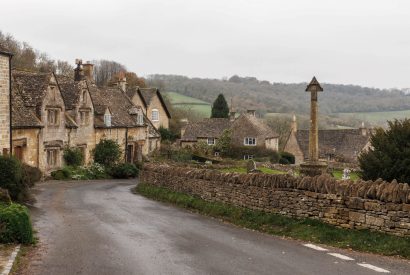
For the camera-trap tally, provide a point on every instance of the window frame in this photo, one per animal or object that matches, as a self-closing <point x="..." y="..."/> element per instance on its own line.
<point x="107" y="120"/>
<point x="212" y="143"/>
<point x="156" y="111"/>
<point x="246" y="141"/>
<point x="53" y="120"/>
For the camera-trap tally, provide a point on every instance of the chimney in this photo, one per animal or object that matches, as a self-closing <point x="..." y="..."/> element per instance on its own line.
<point x="122" y="83"/>
<point x="363" y="130"/>
<point x="251" y="113"/>
<point x="294" y="125"/>
<point x="232" y="115"/>
<point x="78" y="71"/>
<point x="88" y="70"/>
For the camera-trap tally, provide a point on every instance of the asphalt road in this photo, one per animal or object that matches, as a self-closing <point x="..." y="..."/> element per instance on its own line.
<point x="102" y="228"/>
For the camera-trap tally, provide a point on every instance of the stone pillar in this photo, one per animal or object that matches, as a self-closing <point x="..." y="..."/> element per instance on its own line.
<point x="313" y="166"/>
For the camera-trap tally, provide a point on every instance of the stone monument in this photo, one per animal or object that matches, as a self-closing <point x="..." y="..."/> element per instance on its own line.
<point x="313" y="166"/>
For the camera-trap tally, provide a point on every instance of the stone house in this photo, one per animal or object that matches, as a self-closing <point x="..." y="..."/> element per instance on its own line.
<point x="40" y="137"/>
<point x="337" y="145"/>
<point x="246" y="130"/>
<point x="5" y="92"/>
<point x="152" y="103"/>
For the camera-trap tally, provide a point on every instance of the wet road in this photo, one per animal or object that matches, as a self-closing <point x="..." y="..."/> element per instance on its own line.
<point x="102" y="228"/>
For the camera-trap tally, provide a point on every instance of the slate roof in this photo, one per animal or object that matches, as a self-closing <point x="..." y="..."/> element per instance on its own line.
<point x="70" y="91"/>
<point x="207" y="128"/>
<point x="22" y="116"/>
<point x="32" y="86"/>
<point x="345" y="142"/>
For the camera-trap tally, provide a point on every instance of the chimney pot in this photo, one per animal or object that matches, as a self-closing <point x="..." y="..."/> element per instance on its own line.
<point x="88" y="69"/>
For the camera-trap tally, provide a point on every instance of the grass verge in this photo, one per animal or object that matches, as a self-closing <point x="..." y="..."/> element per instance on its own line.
<point x="275" y="224"/>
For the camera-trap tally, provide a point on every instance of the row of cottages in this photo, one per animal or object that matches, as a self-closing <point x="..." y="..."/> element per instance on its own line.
<point x="51" y="112"/>
<point x="5" y="91"/>
<point x="246" y="130"/>
<point x="338" y="145"/>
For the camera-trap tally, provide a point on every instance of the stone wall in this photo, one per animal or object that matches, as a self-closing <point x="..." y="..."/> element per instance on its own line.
<point x="375" y="205"/>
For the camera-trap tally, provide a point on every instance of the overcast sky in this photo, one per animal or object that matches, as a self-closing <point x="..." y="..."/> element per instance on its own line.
<point x="365" y="42"/>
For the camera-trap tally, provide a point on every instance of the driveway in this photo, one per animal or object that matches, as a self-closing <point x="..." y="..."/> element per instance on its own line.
<point x="100" y="227"/>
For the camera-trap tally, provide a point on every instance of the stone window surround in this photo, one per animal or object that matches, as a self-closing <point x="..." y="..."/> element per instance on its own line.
<point x="85" y="116"/>
<point x="249" y="141"/>
<point x="53" y="116"/>
<point x="107" y="120"/>
<point x="155" y="115"/>
<point x="52" y="154"/>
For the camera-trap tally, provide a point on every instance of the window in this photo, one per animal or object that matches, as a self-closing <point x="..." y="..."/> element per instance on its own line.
<point x="247" y="157"/>
<point x="52" y="157"/>
<point x="84" y="117"/>
<point x="85" y="97"/>
<point x="140" y="119"/>
<point x="211" y="141"/>
<point x="107" y="120"/>
<point x="249" y="141"/>
<point x="155" y="115"/>
<point x="53" y="117"/>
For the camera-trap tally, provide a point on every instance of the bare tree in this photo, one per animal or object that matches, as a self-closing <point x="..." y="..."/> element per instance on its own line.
<point x="105" y="70"/>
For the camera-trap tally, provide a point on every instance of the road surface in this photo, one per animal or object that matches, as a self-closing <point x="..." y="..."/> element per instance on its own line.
<point x="100" y="227"/>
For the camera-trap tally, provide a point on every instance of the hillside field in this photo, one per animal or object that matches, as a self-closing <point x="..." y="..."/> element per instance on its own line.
<point x="377" y="118"/>
<point x="186" y="102"/>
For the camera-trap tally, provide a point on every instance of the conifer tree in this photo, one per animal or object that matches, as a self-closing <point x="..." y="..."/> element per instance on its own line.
<point x="220" y="108"/>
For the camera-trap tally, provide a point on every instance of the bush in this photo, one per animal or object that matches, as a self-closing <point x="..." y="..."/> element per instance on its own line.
<point x="389" y="154"/>
<point x="15" y="224"/>
<point x="237" y="152"/>
<point x="124" y="171"/>
<point x="284" y="161"/>
<point x="274" y="157"/>
<point x="289" y="157"/>
<point x="73" y="156"/>
<point x="62" y="174"/>
<point x="107" y="152"/>
<point x="31" y="174"/>
<point x="11" y="178"/>
<point x="167" y="134"/>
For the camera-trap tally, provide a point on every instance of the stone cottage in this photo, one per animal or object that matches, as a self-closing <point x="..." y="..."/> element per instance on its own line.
<point x="39" y="130"/>
<point x="152" y="103"/>
<point x="5" y="92"/>
<point x="337" y="145"/>
<point x="246" y="130"/>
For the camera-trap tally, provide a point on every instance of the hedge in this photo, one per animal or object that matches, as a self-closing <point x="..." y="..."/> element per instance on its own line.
<point x="15" y="224"/>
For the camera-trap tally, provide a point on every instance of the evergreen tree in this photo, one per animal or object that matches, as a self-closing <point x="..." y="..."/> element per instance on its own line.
<point x="389" y="155"/>
<point x="220" y="108"/>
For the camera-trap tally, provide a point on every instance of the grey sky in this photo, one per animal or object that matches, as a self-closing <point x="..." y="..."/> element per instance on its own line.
<point x="365" y="42"/>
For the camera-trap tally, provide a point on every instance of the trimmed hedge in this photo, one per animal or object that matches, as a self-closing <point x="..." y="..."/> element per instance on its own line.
<point x="11" y="178"/>
<point x="15" y="224"/>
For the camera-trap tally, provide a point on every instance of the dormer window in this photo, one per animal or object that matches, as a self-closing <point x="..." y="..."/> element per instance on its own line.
<point x="107" y="120"/>
<point x="155" y="115"/>
<point x="85" y="97"/>
<point x="249" y="141"/>
<point x="84" y="117"/>
<point x="53" y="116"/>
<point x="140" y="118"/>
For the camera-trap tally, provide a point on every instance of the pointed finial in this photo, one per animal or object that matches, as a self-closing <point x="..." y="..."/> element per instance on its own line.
<point x="314" y="86"/>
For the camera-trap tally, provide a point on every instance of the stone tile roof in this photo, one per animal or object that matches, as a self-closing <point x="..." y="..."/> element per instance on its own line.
<point x="146" y="95"/>
<point x="22" y="116"/>
<point x="207" y="128"/>
<point x="32" y="86"/>
<point x="70" y="91"/>
<point x="344" y="142"/>
<point x="260" y="128"/>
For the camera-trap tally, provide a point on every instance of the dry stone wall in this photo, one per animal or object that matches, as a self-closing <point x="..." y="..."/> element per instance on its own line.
<point x="377" y="205"/>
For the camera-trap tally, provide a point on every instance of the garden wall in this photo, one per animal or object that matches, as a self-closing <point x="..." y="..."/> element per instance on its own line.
<point x="375" y="205"/>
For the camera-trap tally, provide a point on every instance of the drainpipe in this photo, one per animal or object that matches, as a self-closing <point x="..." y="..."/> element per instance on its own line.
<point x="10" y="109"/>
<point x="126" y="144"/>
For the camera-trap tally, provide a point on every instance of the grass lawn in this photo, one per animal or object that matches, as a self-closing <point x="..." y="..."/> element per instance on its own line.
<point x="379" y="118"/>
<point x="275" y="224"/>
<point x="242" y="170"/>
<point x="338" y="174"/>
<point x="201" y="107"/>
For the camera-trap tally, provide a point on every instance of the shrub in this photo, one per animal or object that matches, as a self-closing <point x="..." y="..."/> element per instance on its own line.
<point x="31" y="174"/>
<point x="284" y="161"/>
<point x="15" y="224"/>
<point x="11" y="178"/>
<point x="107" y="152"/>
<point x="274" y="157"/>
<point x="62" y="174"/>
<point x="73" y="156"/>
<point x="167" y="134"/>
<point x="124" y="171"/>
<point x="389" y="154"/>
<point x="237" y="152"/>
<point x="289" y="157"/>
<point x="223" y="143"/>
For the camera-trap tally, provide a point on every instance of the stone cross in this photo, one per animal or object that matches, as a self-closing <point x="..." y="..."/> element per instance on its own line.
<point x="313" y="87"/>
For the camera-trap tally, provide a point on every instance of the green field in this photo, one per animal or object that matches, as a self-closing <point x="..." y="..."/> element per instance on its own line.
<point x="379" y="118"/>
<point x="189" y="103"/>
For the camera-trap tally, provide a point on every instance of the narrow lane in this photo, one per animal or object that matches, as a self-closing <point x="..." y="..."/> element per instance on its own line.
<point x="100" y="227"/>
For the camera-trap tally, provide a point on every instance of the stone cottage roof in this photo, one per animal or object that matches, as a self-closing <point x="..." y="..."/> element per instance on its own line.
<point x="146" y="95"/>
<point x="207" y="128"/>
<point x="22" y="116"/>
<point x="70" y="91"/>
<point x="342" y="142"/>
<point x="259" y="127"/>
<point x="32" y="86"/>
